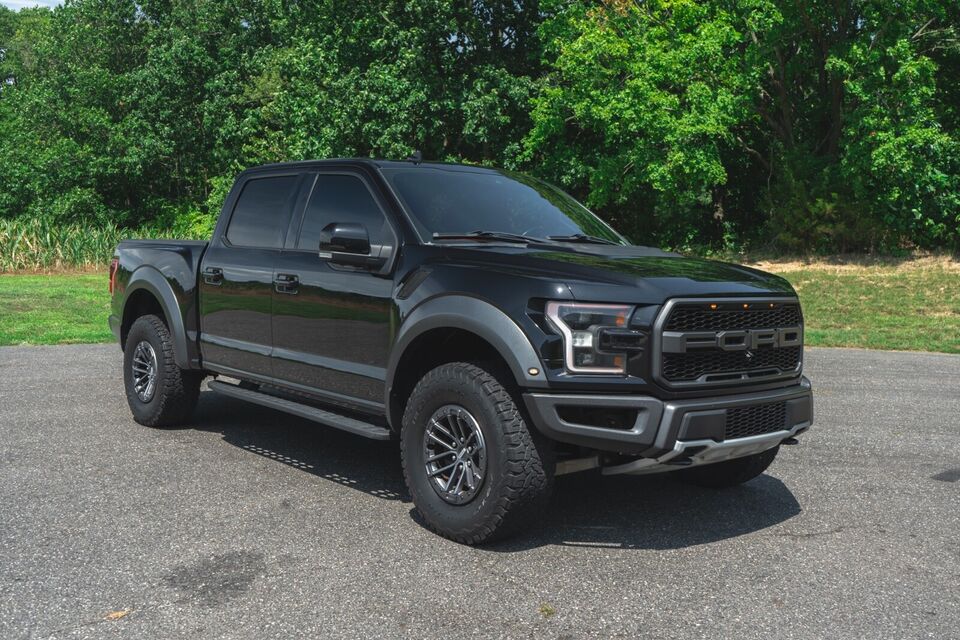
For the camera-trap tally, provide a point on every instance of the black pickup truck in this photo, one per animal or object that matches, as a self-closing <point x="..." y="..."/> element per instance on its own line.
<point x="496" y="327"/>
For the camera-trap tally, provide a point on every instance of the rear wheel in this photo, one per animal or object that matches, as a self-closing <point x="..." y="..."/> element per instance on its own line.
<point x="731" y="472"/>
<point x="474" y="468"/>
<point x="158" y="391"/>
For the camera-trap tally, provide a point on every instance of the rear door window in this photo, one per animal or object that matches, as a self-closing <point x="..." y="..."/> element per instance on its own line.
<point x="262" y="212"/>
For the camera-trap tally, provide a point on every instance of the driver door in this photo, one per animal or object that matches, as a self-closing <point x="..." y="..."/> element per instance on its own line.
<point x="333" y="323"/>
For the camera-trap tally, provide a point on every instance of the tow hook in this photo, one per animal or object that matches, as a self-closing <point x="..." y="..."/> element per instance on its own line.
<point x="790" y="441"/>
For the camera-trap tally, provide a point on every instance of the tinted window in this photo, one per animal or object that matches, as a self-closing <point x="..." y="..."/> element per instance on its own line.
<point x="460" y="200"/>
<point x="341" y="198"/>
<point x="262" y="213"/>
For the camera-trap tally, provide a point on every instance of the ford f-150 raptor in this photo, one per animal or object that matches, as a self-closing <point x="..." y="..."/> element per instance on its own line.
<point x="493" y="325"/>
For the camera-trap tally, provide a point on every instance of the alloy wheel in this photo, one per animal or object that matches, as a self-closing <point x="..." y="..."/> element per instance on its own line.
<point x="455" y="454"/>
<point x="144" y="367"/>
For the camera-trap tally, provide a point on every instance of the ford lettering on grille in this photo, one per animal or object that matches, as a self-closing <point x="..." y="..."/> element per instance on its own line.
<point x="735" y="340"/>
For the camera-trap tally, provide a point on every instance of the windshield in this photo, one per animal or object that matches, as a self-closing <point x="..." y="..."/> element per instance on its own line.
<point x="463" y="200"/>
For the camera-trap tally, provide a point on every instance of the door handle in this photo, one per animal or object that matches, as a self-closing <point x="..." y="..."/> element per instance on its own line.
<point x="213" y="276"/>
<point x="286" y="283"/>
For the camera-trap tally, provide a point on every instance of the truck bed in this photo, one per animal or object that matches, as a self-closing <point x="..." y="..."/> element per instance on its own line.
<point x="169" y="270"/>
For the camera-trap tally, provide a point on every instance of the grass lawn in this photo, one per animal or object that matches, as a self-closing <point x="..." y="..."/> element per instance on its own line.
<point x="54" y="309"/>
<point x="909" y="304"/>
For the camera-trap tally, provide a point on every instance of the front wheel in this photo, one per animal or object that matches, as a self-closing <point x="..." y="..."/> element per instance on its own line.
<point x="158" y="391"/>
<point x="475" y="469"/>
<point x="731" y="472"/>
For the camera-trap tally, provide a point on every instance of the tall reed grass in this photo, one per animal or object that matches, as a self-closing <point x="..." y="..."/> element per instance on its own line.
<point x="29" y="245"/>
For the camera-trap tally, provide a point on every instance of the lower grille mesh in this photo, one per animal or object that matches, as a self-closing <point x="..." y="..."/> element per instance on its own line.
<point x="755" y="420"/>
<point x="679" y="367"/>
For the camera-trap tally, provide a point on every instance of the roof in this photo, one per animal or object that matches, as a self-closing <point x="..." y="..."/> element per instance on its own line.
<point x="368" y="162"/>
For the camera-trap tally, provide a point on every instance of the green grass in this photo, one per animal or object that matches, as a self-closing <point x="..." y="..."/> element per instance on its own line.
<point x="914" y="305"/>
<point x="54" y="309"/>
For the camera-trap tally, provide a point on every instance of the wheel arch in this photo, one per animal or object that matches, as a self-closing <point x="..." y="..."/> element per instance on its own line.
<point x="148" y="291"/>
<point x="455" y="328"/>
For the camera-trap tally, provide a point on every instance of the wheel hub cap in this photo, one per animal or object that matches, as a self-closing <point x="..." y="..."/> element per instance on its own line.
<point x="455" y="454"/>
<point x="144" y="367"/>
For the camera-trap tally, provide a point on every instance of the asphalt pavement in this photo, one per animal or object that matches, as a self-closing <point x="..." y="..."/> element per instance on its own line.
<point x="253" y="524"/>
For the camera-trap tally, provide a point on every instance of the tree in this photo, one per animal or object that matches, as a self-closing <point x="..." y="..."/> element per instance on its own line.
<point x="807" y="124"/>
<point x="700" y="124"/>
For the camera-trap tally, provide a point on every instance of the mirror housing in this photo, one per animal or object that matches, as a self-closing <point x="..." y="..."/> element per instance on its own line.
<point x="345" y="237"/>
<point x="348" y="243"/>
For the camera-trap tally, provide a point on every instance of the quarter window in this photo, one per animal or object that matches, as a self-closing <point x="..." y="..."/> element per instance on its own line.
<point x="262" y="212"/>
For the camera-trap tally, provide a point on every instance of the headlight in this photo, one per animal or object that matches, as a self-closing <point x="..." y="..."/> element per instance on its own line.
<point x="595" y="336"/>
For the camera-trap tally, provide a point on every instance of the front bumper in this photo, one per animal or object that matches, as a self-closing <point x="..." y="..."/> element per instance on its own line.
<point x="693" y="430"/>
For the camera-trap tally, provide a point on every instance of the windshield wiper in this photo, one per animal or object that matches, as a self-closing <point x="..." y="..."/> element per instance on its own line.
<point x="497" y="236"/>
<point x="582" y="237"/>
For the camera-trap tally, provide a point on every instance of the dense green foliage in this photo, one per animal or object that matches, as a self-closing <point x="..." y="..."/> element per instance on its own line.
<point x="699" y="124"/>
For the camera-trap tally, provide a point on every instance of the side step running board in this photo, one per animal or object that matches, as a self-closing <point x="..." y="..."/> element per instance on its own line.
<point x="328" y="418"/>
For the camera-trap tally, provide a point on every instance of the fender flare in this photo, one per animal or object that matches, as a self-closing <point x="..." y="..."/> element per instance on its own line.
<point x="149" y="279"/>
<point x="478" y="317"/>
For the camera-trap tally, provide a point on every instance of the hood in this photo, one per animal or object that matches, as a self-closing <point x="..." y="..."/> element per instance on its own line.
<point x="625" y="273"/>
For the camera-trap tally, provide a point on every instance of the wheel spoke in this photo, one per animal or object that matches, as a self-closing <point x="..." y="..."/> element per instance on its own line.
<point x="441" y="442"/>
<point x="442" y="454"/>
<point x="439" y="427"/>
<point x="463" y="472"/>
<point x="465" y="429"/>
<point x="456" y="466"/>
<point x="437" y="472"/>
<point x="455" y="428"/>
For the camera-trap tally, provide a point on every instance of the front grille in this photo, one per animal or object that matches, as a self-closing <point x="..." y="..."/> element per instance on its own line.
<point x="756" y="420"/>
<point x="692" y="353"/>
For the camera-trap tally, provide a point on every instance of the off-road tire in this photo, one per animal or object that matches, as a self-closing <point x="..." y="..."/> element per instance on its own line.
<point x="177" y="389"/>
<point x="520" y="466"/>
<point x="732" y="472"/>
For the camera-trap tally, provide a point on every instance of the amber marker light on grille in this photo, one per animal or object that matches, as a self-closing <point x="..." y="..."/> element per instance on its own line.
<point x="713" y="307"/>
<point x="746" y="306"/>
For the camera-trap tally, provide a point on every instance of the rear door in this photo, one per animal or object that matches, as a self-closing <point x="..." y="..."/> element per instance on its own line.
<point x="236" y="276"/>
<point x="333" y="324"/>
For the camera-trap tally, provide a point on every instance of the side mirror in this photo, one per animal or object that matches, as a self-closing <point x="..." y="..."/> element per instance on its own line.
<point x="345" y="237"/>
<point x="348" y="243"/>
